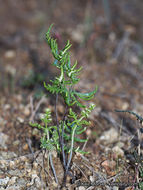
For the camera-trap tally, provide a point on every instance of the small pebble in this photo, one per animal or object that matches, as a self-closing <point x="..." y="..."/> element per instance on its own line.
<point x="35" y="165"/>
<point x="21" y="120"/>
<point x="109" y="136"/>
<point x="35" y="132"/>
<point x="16" y="143"/>
<point x="118" y="151"/>
<point x="10" y="70"/>
<point x="92" y="179"/>
<point x="81" y="188"/>
<point x="3" y="140"/>
<point x="12" y="180"/>
<point x="26" y="111"/>
<point x="125" y="106"/>
<point x="109" y="166"/>
<point x="55" y="184"/>
<point x="10" y="54"/>
<point x="129" y="188"/>
<point x="88" y="132"/>
<point x="115" y="188"/>
<point x="3" y="182"/>
<point x="7" y="106"/>
<point x="11" y="164"/>
<point x="25" y="146"/>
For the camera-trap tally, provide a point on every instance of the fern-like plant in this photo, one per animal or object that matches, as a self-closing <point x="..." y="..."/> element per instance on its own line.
<point x="61" y="135"/>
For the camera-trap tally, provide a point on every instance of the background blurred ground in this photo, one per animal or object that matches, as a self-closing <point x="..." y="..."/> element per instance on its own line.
<point x="108" y="45"/>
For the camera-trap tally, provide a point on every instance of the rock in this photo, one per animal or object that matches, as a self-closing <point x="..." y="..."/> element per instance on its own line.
<point x="2" y="188"/>
<point x="16" y="143"/>
<point x="61" y="108"/>
<point x="18" y="98"/>
<point x="118" y="151"/>
<point x="109" y="166"/>
<point x="10" y="70"/>
<point x="3" y="140"/>
<point x="55" y="184"/>
<point x="92" y="178"/>
<point x="35" y="165"/>
<point x="12" y="164"/>
<point x="95" y="113"/>
<point x="129" y="188"/>
<point x="3" y="164"/>
<point x="16" y="172"/>
<point x="26" y="111"/>
<point x="12" y="181"/>
<point x="13" y="187"/>
<point x="35" y="180"/>
<point x="109" y="136"/>
<point x="134" y="59"/>
<point x="7" y="106"/>
<point x="10" y="54"/>
<point x="78" y="34"/>
<point x="125" y="106"/>
<point x="21" y="120"/>
<point x="112" y="36"/>
<point x="3" y="122"/>
<point x="115" y="188"/>
<point x="88" y="132"/>
<point x="25" y="146"/>
<point x="35" y="131"/>
<point x="7" y="155"/>
<point x="81" y="188"/>
<point x="3" y="182"/>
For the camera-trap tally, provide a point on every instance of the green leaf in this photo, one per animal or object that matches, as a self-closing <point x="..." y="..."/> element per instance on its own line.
<point x="81" y="151"/>
<point x="36" y="125"/>
<point x="86" y="96"/>
<point x="79" y="140"/>
<point x="81" y="131"/>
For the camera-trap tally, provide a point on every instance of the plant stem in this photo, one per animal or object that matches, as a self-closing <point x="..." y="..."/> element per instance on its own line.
<point x="70" y="156"/>
<point x="57" y="119"/>
<point x="71" y="149"/>
<point x="52" y="166"/>
<point x="62" y="139"/>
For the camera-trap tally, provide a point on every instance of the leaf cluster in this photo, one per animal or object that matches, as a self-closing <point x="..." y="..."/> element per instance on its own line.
<point x="74" y="123"/>
<point x="68" y="75"/>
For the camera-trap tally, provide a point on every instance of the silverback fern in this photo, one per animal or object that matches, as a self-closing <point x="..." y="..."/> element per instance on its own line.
<point x="61" y="135"/>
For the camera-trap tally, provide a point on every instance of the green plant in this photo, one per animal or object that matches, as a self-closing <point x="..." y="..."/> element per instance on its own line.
<point x="61" y="135"/>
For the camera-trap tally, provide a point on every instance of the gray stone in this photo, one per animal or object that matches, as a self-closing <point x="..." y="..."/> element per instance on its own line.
<point x="4" y="181"/>
<point x="3" y="140"/>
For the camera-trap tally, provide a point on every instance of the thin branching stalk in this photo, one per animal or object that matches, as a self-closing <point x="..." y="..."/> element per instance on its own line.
<point x="62" y="147"/>
<point x="52" y="166"/>
<point x="71" y="149"/>
<point x="70" y="157"/>
<point x="57" y="122"/>
<point x="62" y="139"/>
